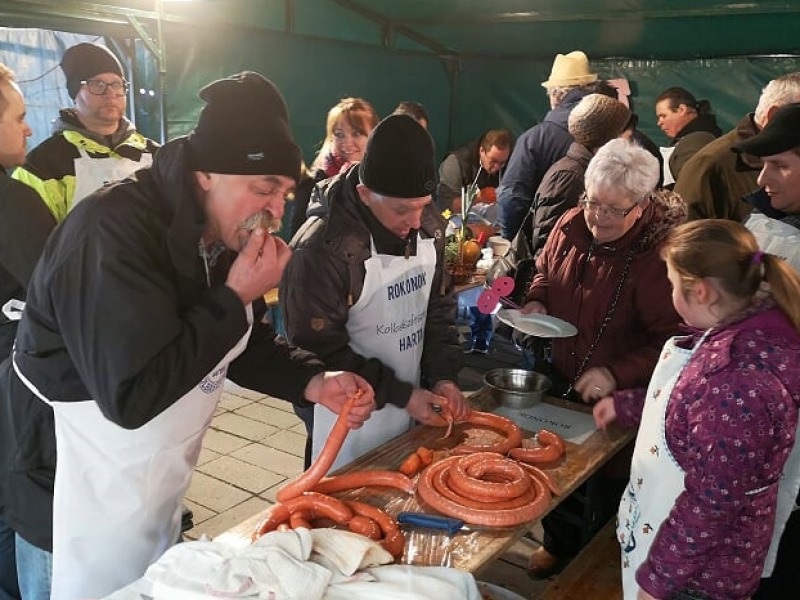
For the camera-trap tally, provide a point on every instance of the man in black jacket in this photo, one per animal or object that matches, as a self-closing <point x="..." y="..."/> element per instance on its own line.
<point x="369" y="292"/>
<point x="25" y="224"/>
<point x="140" y="307"/>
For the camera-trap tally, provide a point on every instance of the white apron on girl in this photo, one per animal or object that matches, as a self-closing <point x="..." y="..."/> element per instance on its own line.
<point x="117" y="496"/>
<point x="656" y="479"/>
<point x="387" y="323"/>
<point x="93" y="173"/>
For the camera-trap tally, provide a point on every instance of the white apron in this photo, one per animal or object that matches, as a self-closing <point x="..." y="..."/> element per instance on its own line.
<point x="787" y="494"/>
<point x="94" y="173"/>
<point x="666" y="172"/>
<point x="656" y="479"/>
<point x="118" y="492"/>
<point x="777" y="237"/>
<point x="387" y="323"/>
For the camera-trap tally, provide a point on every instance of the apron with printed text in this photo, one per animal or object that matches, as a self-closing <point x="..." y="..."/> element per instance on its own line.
<point x="93" y="173"/>
<point x="387" y="323"/>
<point x="117" y="494"/>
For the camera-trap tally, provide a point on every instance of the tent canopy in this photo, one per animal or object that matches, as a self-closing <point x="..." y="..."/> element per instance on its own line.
<point x="640" y="29"/>
<point x="474" y="64"/>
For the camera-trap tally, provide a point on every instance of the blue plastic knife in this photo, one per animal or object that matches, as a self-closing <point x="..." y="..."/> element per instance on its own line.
<point x="449" y="525"/>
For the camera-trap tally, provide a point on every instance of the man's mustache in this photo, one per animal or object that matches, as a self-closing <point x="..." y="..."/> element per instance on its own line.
<point x="264" y="219"/>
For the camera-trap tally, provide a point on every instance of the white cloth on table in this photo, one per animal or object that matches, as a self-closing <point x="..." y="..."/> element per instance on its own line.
<point x="276" y="564"/>
<point x="321" y="564"/>
<point x="343" y="552"/>
<point x="405" y="582"/>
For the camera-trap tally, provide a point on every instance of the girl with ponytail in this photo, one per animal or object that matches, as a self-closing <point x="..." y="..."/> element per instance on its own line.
<point x="706" y="503"/>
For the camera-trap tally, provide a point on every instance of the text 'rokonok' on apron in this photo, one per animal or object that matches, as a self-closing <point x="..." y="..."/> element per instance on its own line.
<point x="388" y="323"/>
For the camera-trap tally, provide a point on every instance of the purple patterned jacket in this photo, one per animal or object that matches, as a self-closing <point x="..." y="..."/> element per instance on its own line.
<point x="730" y="424"/>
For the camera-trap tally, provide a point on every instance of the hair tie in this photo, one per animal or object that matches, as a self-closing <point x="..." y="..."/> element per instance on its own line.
<point x="758" y="257"/>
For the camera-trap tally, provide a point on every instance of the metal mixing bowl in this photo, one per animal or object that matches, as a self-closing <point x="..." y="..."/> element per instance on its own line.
<point x="517" y="388"/>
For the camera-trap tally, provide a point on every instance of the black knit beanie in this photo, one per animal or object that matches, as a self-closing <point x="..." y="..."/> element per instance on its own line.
<point x="399" y="159"/>
<point x="244" y="129"/>
<point x="83" y="61"/>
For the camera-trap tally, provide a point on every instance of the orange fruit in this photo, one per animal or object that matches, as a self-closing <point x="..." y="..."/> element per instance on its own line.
<point x="470" y="252"/>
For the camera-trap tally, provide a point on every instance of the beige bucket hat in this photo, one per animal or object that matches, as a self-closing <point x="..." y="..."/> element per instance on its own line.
<point x="570" y="69"/>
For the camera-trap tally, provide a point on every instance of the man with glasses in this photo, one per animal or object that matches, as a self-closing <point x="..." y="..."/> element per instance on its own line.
<point x="479" y="163"/>
<point x="93" y="144"/>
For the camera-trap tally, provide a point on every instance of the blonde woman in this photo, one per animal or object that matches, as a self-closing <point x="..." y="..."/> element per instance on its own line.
<point x="348" y="126"/>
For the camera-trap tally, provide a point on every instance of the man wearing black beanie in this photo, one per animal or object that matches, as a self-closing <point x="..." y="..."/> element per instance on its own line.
<point x="369" y="292"/>
<point x="93" y="144"/>
<point x="141" y="306"/>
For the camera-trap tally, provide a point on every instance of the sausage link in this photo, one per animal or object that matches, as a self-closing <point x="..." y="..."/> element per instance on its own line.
<point x="478" y="476"/>
<point x="433" y="486"/>
<point x="507" y="427"/>
<point x="366" y="527"/>
<point x="357" y="479"/>
<point x="425" y="455"/>
<point x="300" y="519"/>
<point x="393" y="541"/>
<point x="320" y="467"/>
<point x="317" y="504"/>
<point x="551" y="448"/>
<point x="411" y="465"/>
<point x="442" y="482"/>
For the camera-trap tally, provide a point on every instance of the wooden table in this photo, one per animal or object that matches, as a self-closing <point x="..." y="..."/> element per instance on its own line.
<point x="473" y="550"/>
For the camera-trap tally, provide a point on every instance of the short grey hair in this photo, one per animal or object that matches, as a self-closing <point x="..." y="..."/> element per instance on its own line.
<point x="778" y="92"/>
<point x="372" y="193"/>
<point x="623" y="166"/>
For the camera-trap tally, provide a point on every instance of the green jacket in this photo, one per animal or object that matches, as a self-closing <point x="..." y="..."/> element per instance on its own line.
<point x="50" y="167"/>
<point x="713" y="181"/>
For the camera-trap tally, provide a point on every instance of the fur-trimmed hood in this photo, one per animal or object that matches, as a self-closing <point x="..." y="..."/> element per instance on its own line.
<point x="669" y="210"/>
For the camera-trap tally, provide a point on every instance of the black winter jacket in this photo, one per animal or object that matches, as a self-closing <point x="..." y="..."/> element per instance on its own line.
<point x="119" y="310"/>
<point x="25" y="223"/>
<point x="325" y="277"/>
<point x="695" y="134"/>
<point x="559" y="191"/>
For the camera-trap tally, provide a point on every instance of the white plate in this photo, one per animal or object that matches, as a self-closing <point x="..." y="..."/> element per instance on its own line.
<point x="544" y="326"/>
